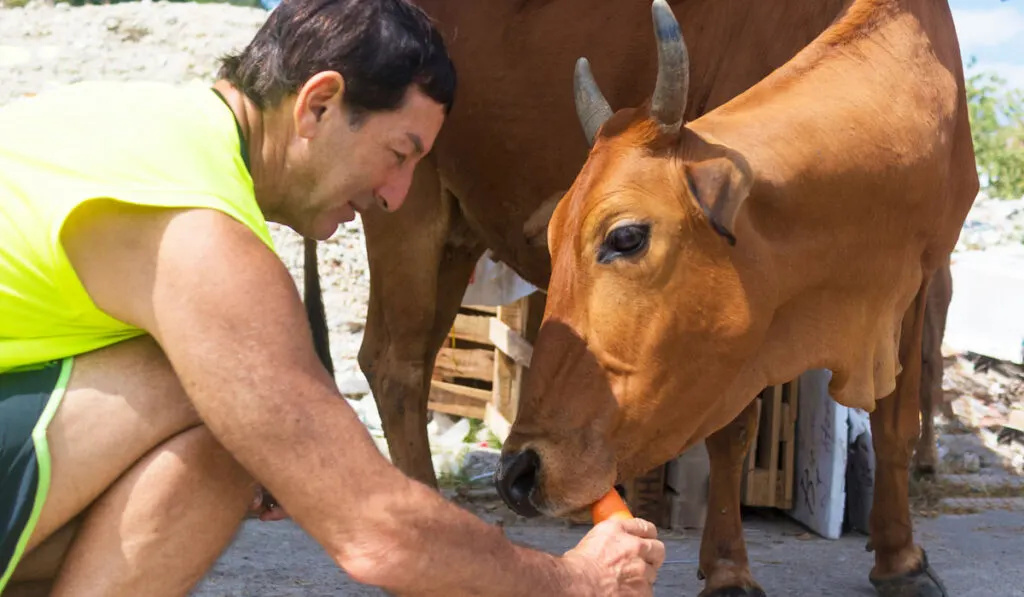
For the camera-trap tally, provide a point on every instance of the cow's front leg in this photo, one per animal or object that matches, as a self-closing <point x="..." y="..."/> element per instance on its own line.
<point x="723" y="553"/>
<point x="418" y="276"/>
<point x="901" y="567"/>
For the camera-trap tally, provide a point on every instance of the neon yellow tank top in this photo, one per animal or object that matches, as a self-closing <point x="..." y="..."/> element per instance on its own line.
<point x="144" y="143"/>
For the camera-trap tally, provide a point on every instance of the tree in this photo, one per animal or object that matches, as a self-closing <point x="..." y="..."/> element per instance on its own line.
<point x="997" y="127"/>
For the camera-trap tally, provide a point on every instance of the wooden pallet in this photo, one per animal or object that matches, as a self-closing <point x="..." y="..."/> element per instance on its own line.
<point x="648" y="498"/>
<point x="480" y="369"/>
<point x="768" y="468"/>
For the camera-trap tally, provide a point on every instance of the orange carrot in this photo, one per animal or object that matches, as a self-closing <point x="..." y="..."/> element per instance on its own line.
<point x="609" y="506"/>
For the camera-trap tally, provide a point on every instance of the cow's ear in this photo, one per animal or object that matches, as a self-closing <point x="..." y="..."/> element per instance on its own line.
<point x="720" y="185"/>
<point x="536" y="227"/>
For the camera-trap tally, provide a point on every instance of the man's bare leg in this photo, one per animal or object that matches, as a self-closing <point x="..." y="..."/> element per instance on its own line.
<point x="161" y="526"/>
<point x="170" y="497"/>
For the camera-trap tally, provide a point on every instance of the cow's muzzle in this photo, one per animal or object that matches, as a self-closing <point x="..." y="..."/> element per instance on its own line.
<point x="516" y="480"/>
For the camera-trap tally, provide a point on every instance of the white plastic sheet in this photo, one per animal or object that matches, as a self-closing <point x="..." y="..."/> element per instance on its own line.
<point x="495" y="284"/>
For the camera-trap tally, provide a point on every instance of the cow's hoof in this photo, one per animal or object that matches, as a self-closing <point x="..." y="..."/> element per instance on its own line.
<point x="925" y="472"/>
<point x="734" y="592"/>
<point x="923" y="582"/>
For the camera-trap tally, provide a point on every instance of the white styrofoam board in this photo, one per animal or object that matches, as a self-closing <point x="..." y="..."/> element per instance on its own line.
<point x="985" y="315"/>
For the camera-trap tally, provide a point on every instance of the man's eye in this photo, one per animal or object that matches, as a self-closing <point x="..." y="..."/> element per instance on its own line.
<point x="400" y="156"/>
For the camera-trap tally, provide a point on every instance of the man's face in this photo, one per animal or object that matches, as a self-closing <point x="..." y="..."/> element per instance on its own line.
<point x="336" y="167"/>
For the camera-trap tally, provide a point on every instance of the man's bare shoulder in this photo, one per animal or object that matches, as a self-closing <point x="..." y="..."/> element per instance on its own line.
<point x="128" y="257"/>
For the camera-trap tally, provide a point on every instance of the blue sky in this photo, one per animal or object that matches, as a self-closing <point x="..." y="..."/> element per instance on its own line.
<point x="992" y="31"/>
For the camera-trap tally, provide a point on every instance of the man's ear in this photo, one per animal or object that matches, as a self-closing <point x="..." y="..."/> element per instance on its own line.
<point x="536" y="227"/>
<point x="319" y="95"/>
<point x="720" y="185"/>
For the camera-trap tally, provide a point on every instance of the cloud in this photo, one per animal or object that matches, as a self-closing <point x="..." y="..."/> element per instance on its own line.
<point x="988" y="27"/>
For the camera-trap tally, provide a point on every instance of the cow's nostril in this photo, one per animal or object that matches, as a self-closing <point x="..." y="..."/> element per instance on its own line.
<point x="516" y="480"/>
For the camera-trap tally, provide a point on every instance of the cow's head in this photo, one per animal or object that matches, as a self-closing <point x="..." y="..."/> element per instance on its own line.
<point x="648" y="312"/>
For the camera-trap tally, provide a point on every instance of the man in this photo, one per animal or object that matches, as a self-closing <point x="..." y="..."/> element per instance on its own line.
<point x="154" y="356"/>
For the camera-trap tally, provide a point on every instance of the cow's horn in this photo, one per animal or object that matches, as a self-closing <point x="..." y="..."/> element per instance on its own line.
<point x="669" y="100"/>
<point x="591" y="107"/>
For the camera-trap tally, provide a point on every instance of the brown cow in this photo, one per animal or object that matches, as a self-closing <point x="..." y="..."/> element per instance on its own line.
<point x="733" y="44"/>
<point x="511" y="142"/>
<point x="796" y="226"/>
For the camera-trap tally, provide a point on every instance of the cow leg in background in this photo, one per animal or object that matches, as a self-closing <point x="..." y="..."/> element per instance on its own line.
<point x="901" y="567"/>
<point x="723" y="552"/>
<point x="926" y="457"/>
<point x="418" y="276"/>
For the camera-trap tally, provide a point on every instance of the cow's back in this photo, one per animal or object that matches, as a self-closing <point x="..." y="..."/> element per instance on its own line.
<point x="513" y="139"/>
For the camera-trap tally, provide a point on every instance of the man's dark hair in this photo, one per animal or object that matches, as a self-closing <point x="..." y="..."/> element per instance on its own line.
<point x="380" y="47"/>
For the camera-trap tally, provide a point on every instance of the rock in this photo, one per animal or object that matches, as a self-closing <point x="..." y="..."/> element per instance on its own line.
<point x="353" y="385"/>
<point x="480" y="461"/>
<point x="972" y="462"/>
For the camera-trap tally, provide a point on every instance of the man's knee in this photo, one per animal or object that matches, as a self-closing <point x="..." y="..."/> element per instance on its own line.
<point x="139" y="370"/>
<point x="201" y="456"/>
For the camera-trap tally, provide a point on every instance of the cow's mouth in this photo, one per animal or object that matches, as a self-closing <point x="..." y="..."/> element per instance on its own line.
<point x="516" y="481"/>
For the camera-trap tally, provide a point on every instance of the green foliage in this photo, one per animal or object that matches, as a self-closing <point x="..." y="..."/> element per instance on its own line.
<point x="997" y="127"/>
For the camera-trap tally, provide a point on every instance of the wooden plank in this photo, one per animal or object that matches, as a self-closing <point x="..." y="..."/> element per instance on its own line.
<point x="479" y="310"/>
<point x="467" y="363"/>
<point x="501" y="390"/>
<point x="747" y="487"/>
<point x="510" y="342"/>
<point x="647" y="497"/>
<point x="457" y="400"/>
<point x="470" y="328"/>
<point x="518" y="319"/>
<point x="474" y="411"/>
<point x="496" y="422"/>
<point x="785" y="471"/>
<point x="450" y="393"/>
<point x="773" y="446"/>
<point x="794" y="401"/>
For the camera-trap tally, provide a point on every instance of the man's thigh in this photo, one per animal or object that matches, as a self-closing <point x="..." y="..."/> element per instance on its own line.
<point x="119" y="403"/>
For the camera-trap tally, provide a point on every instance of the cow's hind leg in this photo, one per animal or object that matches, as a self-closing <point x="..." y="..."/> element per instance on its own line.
<point x="723" y="552"/>
<point x="420" y="262"/>
<point x="940" y="292"/>
<point x="901" y="567"/>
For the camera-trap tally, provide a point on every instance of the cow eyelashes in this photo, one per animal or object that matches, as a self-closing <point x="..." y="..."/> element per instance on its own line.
<point x="624" y="241"/>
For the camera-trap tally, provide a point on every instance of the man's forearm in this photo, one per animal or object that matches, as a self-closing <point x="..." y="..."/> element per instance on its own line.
<point x="389" y="530"/>
<point x="383" y="528"/>
<point x="438" y="548"/>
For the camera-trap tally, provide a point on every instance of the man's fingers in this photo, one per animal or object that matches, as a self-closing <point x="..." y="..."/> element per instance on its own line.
<point x="653" y="553"/>
<point x="651" y="575"/>
<point x="272" y="514"/>
<point x="640" y="528"/>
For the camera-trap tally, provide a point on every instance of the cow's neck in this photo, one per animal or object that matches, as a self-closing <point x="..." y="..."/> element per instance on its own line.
<point x="842" y="143"/>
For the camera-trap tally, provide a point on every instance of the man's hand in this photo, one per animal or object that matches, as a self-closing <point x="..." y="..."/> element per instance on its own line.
<point x="619" y="558"/>
<point x="265" y="506"/>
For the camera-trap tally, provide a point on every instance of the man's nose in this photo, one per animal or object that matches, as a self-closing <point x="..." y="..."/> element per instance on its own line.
<point x="392" y="195"/>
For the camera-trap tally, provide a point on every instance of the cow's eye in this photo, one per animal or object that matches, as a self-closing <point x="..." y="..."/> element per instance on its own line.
<point x="624" y="241"/>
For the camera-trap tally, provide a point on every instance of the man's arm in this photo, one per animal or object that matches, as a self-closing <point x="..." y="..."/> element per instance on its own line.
<point x="229" y="318"/>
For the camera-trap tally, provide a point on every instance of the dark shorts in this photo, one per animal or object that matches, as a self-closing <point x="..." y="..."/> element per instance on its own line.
<point x="28" y="399"/>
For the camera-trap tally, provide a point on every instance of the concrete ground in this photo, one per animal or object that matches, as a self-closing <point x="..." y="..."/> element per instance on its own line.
<point x="975" y="554"/>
